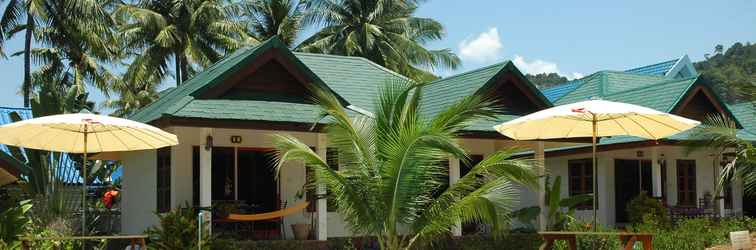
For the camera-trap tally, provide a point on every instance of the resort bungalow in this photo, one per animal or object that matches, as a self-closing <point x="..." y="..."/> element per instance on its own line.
<point x="224" y="117"/>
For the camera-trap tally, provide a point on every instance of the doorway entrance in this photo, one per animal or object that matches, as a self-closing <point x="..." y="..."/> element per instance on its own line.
<point x="631" y="177"/>
<point x="241" y="176"/>
<point x="257" y="182"/>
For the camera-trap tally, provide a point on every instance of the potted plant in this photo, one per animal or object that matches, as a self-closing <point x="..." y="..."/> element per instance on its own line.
<point x="302" y="231"/>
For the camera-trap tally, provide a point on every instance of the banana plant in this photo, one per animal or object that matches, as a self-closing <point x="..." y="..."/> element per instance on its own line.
<point x="560" y="211"/>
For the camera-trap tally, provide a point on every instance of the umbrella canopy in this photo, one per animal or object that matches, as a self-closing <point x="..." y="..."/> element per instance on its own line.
<point x="612" y="119"/>
<point x="595" y="118"/>
<point x="84" y="133"/>
<point x="65" y="133"/>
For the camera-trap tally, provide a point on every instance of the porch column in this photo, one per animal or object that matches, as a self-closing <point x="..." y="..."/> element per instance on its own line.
<point x="322" y="204"/>
<point x="453" y="178"/>
<point x="656" y="181"/>
<point x="540" y="157"/>
<point x="206" y="170"/>
<point x="720" y="201"/>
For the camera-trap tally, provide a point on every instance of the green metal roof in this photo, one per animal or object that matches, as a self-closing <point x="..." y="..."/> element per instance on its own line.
<point x="444" y="92"/>
<point x="353" y="79"/>
<point x="621" y="85"/>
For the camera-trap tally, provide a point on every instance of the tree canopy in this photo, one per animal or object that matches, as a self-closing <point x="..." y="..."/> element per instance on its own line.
<point x="732" y="73"/>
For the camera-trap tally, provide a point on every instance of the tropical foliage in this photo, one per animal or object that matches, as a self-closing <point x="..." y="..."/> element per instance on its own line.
<point x="268" y="18"/>
<point x="732" y="72"/>
<point x="646" y="209"/>
<point x="721" y="133"/>
<point x="14" y="222"/>
<point x="383" y="31"/>
<point x="560" y="211"/>
<point x="190" y="33"/>
<point x="178" y="230"/>
<point x="391" y="167"/>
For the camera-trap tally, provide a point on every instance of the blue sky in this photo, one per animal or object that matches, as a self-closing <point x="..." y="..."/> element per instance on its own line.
<point x="570" y="37"/>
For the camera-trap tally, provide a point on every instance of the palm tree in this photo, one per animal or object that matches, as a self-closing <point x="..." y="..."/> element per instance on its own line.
<point x="721" y="133"/>
<point x="391" y="172"/>
<point x="21" y="15"/>
<point x="80" y="45"/>
<point x="191" y="33"/>
<point x="383" y="31"/>
<point x="268" y="18"/>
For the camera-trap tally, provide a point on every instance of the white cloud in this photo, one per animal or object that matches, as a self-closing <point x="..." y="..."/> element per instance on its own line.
<point x="576" y="75"/>
<point x="536" y="66"/>
<point x="484" y="48"/>
<point x="539" y="66"/>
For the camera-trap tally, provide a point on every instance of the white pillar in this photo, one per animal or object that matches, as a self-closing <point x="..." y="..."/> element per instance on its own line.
<point x="540" y="158"/>
<point x="656" y="174"/>
<point x="720" y="201"/>
<point x="322" y="204"/>
<point x="206" y="170"/>
<point x="453" y="178"/>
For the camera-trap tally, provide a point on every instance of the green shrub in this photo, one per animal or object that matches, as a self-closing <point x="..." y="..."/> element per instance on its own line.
<point x="643" y="209"/>
<point x="178" y="230"/>
<point x="14" y="222"/>
<point x="696" y="233"/>
<point x="596" y="242"/>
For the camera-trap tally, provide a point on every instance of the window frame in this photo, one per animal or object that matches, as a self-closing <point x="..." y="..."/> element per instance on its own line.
<point x="580" y="170"/>
<point x="687" y="195"/>
<point x="163" y="184"/>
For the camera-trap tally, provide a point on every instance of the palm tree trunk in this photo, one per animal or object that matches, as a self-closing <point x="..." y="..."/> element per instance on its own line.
<point x="178" y="69"/>
<point x="184" y="71"/>
<point x="26" y="88"/>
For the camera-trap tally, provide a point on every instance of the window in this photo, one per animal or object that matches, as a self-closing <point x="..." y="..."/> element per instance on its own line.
<point x="580" y="179"/>
<point x="686" y="183"/>
<point x="164" y="180"/>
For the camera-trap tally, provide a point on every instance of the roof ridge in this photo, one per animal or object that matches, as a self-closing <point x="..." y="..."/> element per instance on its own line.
<point x="655" y="64"/>
<point x="667" y="81"/>
<point x="582" y="80"/>
<point x="500" y="64"/>
<point x="378" y="66"/>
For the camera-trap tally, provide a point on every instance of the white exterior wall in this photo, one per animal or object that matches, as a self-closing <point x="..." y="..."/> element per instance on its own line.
<point x="139" y="183"/>
<point x="140" y="176"/>
<point x="705" y="178"/>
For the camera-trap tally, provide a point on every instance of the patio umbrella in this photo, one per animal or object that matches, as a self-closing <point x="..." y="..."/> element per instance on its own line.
<point x="595" y="118"/>
<point x="84" y="133"/>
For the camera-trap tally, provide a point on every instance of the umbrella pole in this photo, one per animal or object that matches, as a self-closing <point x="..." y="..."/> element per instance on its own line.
<point x="84" y="188"/>
<point x="595" y="184"/>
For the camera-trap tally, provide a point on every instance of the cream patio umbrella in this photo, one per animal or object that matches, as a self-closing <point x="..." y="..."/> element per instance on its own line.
<point x="84" y="133"/>
<point x="595" y="118"/>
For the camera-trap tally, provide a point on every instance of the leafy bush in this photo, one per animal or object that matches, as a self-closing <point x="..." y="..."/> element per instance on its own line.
<point x="471" y="242"/>
<point x="14" y="223"/>
<point x="177" y="230"/>
<point x="646" y="209"/>
<point x="697" y="233"/>
<point x="596" y="242"/>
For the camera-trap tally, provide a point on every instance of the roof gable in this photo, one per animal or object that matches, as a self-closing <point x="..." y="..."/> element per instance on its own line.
<point x="500" y="79"/>
<point x="354" y="80"/>
<point x="700" y="101"/>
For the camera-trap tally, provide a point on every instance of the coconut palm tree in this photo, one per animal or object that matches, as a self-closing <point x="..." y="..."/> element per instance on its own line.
<point x="383" y="31"/>
<point x="83" y="40"/>
<point x="80" y="45"/>
<point x="721" y="133"/>
<point x="392" y="173"/>
<point x="191" y="33"/>
<point x="21" y="15"/>
<point x="268" y="18"/>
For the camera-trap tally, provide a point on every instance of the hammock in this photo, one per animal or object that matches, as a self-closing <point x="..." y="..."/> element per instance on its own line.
<point x="268" y="215"/>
